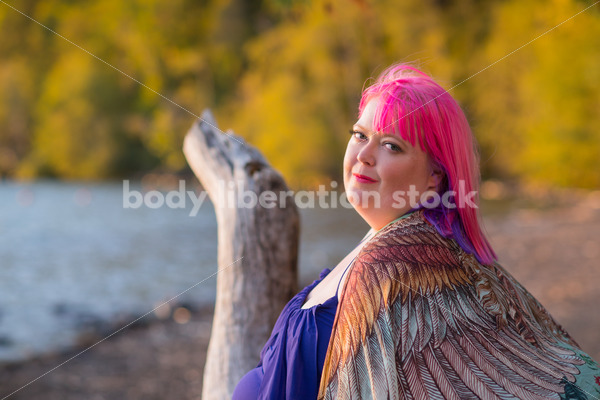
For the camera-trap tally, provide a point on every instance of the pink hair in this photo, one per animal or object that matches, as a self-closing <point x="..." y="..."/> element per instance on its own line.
<point x="420" y="111"/>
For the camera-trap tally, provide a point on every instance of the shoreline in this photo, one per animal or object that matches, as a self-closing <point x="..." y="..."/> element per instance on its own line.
<point x="156" y="359"/>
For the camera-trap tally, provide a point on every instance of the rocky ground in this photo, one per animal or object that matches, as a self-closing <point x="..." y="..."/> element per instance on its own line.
<point x="155" y="360"/>
<point x="555" y="253"/>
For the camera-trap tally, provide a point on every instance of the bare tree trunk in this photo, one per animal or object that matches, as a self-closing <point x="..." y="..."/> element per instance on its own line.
<point x="257" y="250"/>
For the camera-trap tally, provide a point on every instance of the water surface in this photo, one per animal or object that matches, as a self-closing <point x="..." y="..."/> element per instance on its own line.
<point x="72" y="256"/>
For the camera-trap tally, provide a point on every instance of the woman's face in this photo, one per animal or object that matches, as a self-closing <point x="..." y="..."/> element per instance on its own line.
<point x="384" y="176"/>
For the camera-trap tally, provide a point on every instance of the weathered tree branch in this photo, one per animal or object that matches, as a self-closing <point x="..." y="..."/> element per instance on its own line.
<point x="257" y="251"/>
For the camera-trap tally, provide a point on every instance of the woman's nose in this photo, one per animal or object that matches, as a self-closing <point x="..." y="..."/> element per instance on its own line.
<point x="366" y="154"/>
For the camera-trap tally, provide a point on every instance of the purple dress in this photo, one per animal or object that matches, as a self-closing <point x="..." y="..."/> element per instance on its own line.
<point x="292" y="360"/>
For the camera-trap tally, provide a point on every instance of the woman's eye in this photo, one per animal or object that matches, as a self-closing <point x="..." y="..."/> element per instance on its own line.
<point x="393" y="147"/>
<point x="358" y="135"/>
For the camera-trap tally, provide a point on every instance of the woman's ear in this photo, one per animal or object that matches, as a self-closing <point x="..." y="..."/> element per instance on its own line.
<point x="435" y="178"/>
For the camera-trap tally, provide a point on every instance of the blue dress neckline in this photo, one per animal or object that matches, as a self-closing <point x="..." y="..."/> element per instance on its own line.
<point x="304" y="293"/>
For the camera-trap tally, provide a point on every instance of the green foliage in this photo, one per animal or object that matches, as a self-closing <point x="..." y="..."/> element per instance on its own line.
<point x="299" y="97"/>
<point x="287" y="75"/>
<point x="537" y="111"/>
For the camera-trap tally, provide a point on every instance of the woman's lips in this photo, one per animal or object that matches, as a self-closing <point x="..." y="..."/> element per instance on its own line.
<point x="363" y="179"/>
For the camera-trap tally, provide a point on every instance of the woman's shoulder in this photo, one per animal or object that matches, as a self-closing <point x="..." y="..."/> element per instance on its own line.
<point x="415" y="230"/>
<point x="410" y="254"/>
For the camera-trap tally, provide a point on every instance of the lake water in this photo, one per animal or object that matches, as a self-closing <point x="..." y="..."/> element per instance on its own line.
<point x="71" y="255"/>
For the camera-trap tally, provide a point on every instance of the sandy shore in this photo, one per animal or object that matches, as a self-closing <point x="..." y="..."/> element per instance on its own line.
<point x="156" y="360"/>
<point x="555" y="254"/>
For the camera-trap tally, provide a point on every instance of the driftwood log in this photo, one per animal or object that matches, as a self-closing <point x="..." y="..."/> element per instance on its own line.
<point x="257" y="250"/>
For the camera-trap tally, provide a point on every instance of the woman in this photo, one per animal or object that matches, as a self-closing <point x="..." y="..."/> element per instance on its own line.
<point x="420" y="308"/>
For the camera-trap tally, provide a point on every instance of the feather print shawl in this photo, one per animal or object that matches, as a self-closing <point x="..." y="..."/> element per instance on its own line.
<point x="419" y="318"/>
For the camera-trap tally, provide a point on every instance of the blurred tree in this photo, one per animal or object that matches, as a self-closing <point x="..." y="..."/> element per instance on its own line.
<point x="88" y="120"/>
<point x="16" y="100"/>
<point x="72" y="138"/>
<point x="536" y="111"/>
<point x="301" y="92"/>
<point x="288" y="74"/>
<point x="25" y="57"/>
